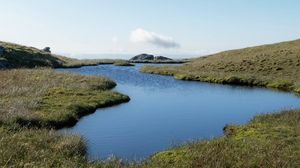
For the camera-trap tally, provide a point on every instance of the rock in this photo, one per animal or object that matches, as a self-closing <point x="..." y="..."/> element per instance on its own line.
<point x="162" y="58"/>
<point x="229" y="130"/>
<point x="2" y="50"/>
<point x="47" y="49"/>
<point x="149" y="57"/>
<point x="142" y="57"/>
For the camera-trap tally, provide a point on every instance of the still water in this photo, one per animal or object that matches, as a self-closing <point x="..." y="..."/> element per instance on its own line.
<point x="164" y="112"/>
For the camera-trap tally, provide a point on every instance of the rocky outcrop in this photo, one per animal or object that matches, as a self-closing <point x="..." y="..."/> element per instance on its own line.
<point x="47" y="49"/>
<point x="149" y="57"/>
<point x="143" y="57"/>
<point x="162" y="58"/>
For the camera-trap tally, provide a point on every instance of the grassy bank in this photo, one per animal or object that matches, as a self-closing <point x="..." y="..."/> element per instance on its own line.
<point x="45" y="98"/>
<point x="273" y="66"/>
<point x="271" y="140"/>
<point x="23" y="147"/>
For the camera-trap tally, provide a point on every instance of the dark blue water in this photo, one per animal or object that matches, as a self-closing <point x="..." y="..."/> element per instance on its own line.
<point x="165" y="112"/>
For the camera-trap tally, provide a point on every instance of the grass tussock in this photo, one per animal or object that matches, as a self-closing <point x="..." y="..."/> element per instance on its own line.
<point x="23" y="147"/>
<point x="273" y="66"/>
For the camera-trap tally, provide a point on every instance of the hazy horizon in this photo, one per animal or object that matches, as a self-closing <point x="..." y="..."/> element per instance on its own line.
<point x="101" y="28"/>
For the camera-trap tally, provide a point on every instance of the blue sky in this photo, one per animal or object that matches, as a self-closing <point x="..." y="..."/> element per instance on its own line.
<point x="167" y="27"/>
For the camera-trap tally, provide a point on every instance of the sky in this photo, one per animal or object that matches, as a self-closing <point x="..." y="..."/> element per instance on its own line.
<point x="121" y="28"/>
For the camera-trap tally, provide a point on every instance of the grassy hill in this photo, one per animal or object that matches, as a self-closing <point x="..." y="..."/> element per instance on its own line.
<point x="274" y="66"/>
<point x="19" y="56"/>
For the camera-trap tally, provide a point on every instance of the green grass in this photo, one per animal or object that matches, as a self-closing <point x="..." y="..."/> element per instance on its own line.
<point x="22" y="147"/>
<point x="39" y="148"/>
<point x="45" y="98"/>
<point x="273" y="66"/>
<point x="271" y="140"/>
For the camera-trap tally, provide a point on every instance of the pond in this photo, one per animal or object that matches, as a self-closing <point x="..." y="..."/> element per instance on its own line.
<point x="164" y="112"/>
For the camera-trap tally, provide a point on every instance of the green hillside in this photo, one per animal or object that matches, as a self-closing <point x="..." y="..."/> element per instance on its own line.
<point x="19" y="56"/>
<point x="274" y="66"/>
<point x="15" y="56"/>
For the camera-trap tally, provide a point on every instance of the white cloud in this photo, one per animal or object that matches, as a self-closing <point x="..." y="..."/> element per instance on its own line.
<point x="143" y="36"/>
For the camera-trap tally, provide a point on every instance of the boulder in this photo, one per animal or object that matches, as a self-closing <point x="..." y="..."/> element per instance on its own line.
<point x="47" y="49"/>
<point x="142" y="57"/>
<point x="162" y="58"/>
<point x="149" y="57"/>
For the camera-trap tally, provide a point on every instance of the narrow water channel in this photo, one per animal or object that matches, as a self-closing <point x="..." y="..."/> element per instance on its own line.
<point x="164" y="112"/>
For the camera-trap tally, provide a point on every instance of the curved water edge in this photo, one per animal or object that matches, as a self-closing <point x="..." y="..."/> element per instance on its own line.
<point x="164" y="112"/>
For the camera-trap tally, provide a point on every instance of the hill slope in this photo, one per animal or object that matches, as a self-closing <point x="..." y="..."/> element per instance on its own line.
<point x="14" y="55"/>
<point x="19" y="56"/>
<point x="275" y="66"/>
